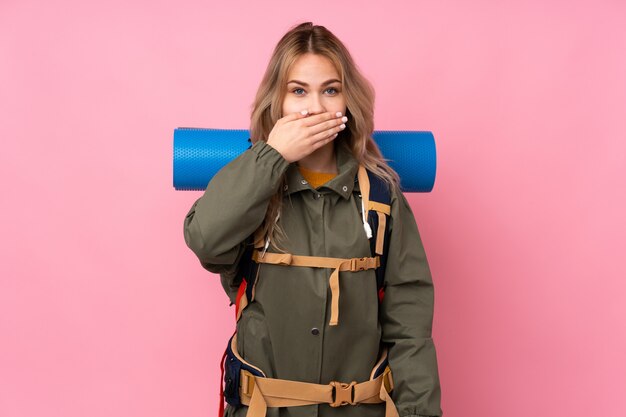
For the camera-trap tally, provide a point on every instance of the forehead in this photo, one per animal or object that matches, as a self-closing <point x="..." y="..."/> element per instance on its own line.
<point x="313" y="68"/>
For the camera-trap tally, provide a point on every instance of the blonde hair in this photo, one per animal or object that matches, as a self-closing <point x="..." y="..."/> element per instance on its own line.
<point x="359" y="94"/>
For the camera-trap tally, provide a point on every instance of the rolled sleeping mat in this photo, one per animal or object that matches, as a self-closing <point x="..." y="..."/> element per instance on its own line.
<point x="199" y="153"/>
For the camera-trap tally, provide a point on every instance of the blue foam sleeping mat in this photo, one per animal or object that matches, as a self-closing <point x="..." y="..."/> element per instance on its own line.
<point x="199" y="153"/>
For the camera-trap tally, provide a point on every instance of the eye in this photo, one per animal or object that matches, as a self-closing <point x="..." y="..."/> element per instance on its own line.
<point x="333" y="90"/>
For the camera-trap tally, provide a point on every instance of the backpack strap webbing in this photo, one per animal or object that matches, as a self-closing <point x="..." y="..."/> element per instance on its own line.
<point x="338" y="264"/>
<point x="376" y="196"/>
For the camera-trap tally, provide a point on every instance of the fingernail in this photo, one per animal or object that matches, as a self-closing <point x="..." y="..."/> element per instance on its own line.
<point x="338" y="114"/>
<point x="344" y="119"/>
<point x="303" y="112"/>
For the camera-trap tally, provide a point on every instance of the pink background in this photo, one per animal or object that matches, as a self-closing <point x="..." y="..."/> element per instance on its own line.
<point x="105" y="312"/>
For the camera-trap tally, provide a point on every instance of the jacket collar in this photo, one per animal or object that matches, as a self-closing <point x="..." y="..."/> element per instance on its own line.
<point x="343" y="183"/>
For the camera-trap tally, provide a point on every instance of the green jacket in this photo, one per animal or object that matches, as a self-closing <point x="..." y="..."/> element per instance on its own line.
<point x="285" y="330"/>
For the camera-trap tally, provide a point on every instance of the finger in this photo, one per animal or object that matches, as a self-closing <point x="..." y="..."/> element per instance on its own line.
<point x="319" y="118"/>
<point x="295" y="115"/>
<point x="328" y="125"/>
<point x="327" y="134"/>
<point x="323" y="142"/>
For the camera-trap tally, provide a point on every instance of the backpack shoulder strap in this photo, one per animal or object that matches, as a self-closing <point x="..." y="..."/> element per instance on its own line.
<point x="247" y="273"/>
<point x="376" y="196"/>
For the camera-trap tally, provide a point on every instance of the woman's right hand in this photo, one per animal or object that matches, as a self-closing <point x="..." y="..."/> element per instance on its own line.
<point x="296" y="135"/>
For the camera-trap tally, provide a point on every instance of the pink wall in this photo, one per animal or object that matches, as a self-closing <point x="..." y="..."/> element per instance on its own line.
<point x="105" y="312"/>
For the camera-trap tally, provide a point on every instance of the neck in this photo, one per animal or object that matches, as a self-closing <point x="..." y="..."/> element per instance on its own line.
<point x="322" y="160"/>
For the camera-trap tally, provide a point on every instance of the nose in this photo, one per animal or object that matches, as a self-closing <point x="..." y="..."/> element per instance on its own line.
<point x="315" y="104"/>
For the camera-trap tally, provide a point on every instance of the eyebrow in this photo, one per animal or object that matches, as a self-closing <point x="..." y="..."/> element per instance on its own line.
<point x="334" y="80"/>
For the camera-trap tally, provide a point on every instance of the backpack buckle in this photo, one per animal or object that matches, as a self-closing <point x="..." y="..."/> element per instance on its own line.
<point x="343" y="393"/>
<point x="358" y="264"/>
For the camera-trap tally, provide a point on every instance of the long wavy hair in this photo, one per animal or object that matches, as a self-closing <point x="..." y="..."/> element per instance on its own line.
<point x="359" y="94"/>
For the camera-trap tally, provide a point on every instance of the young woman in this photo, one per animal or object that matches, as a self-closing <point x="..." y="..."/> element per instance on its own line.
<point x="295" y="195"/>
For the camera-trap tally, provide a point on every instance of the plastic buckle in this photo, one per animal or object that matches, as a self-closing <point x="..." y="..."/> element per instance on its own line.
<point x="343" y="393"/>
<point x="358" y="264"/>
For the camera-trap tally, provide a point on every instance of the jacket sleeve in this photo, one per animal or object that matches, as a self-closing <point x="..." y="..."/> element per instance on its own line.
<point x="407" y="315"/>
<point x="232" y="207"/>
